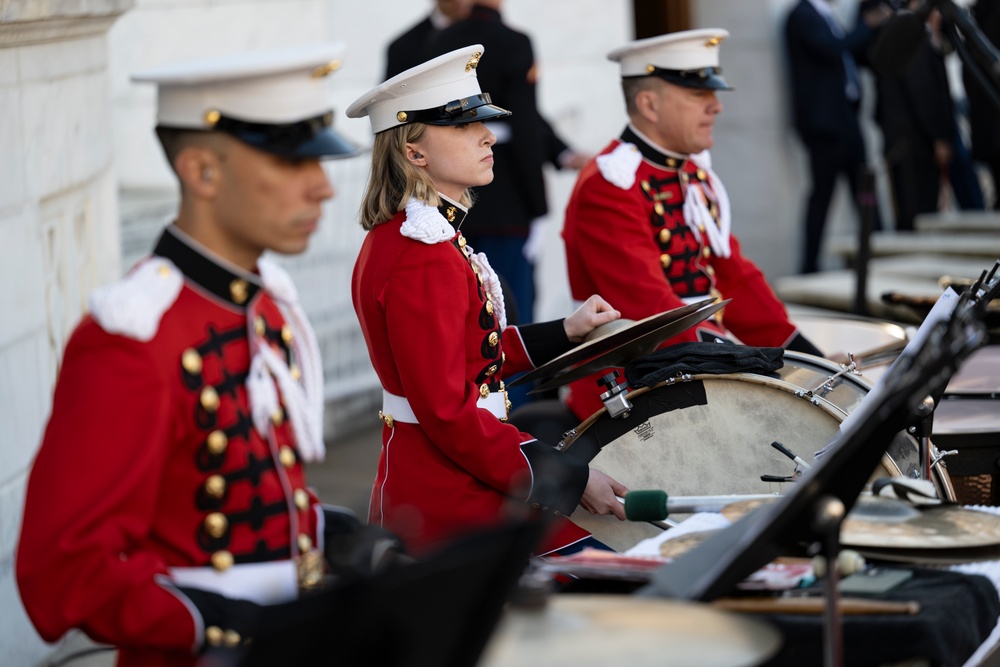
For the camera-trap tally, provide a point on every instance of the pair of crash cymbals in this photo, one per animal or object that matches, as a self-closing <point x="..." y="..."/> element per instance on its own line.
<point x="617" y="343"/>
<point x="578" y="630"/>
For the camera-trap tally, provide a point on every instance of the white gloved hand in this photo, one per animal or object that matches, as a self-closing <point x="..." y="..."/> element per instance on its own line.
<point x="534" y="245"/>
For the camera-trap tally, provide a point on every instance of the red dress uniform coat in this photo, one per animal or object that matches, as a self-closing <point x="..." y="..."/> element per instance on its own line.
<point x="151" y="459"/>
<point x="435" y="336"/>
<point x="633" y="246"/>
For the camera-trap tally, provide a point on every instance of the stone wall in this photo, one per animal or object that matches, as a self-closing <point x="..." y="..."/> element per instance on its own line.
<point x="58" y="222"/>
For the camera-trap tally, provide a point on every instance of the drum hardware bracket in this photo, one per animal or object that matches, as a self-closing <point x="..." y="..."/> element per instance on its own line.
<point x="827" y="384"/>
<point x="615" y="399"/>
<point x="941" y="456"/>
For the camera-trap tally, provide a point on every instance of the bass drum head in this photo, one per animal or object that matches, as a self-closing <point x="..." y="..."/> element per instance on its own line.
<point x="712" y="435"/>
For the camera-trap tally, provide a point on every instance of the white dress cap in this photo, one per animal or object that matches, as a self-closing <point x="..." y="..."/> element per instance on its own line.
<point x="276" y="100"/>
<point x="442" y="91"/>
<point x="687" y="58"/>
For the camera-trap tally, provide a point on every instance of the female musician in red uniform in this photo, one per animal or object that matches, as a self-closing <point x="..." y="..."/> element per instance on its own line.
<point x="432" y="313"/>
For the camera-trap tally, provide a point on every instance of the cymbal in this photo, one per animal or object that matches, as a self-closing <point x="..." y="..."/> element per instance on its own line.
<point x="632" y="349"/>
<point x="893" y="524"/>
<point x="607" y="337"/>
<point x="579" y="630"/>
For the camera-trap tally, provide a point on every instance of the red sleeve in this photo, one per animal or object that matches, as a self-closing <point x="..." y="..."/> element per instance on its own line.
<point x="91" y="496"/>
<point x="755" y="314"/>
<point x="427" y="311"/>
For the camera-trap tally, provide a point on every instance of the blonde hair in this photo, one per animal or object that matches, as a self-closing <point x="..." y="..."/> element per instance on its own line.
<point x="393" y="179"/>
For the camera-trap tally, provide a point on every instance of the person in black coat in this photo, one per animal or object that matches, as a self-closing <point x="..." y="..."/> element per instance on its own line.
<point x="407" y="50"/>
<point x="917" y="117"/>
<point x="825" y="93"/>
<point x="983" y="112"/>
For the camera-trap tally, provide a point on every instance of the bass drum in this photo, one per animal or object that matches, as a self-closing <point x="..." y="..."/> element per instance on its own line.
<point x="711" y="435"/>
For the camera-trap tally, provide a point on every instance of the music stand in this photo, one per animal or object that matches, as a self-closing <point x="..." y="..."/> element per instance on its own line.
<point x="436" y="612"/>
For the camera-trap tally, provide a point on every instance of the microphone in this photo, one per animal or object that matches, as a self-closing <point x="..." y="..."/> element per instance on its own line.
<point x="899" y="40"/>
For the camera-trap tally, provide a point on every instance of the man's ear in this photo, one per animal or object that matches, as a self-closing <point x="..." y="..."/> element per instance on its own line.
<point x="198" y="170"/>
<point x="647" y="103"/>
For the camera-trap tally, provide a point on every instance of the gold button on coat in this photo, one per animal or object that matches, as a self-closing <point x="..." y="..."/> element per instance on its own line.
<point x="216" y="524"/>
<point x="484" y="390"/>
<point x="706" y="251"/>
<point x="665" y="236"/>
<point x="215" y="486"/>
<point x="210" y="399"/>
<point x="191" y="361"/>
<point x="286" y="333"/>
<point x="702" y="175"/>
<point x="259" y="326"/>
<point x="491" y="370"/>
<point x="214" y="635"/>
<point x="665" y="260"/>
<point x="217" y="442"/>
<point x="494" y="339"/>
<point x="301" y="499"/>
<point x="461" y="241"/>
<point x="222" y="560"/>
<point x="296" y="372"/>
<point x="645" y="185"/>
<point x="658" y="207"/>
<point x="305" y="543"/>
<point x="231" y="638"/>
<point x="278" y="417"/>
<point x="489" y="306"/>
<point x="239" y="290"/>
<point x="287" y="456"/>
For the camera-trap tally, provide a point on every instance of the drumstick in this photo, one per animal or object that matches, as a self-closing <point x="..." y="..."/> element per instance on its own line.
<point x="816" y="605"/>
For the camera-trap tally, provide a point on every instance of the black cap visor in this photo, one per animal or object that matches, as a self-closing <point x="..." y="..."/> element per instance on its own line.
<point x="457" y="112"/>
<point x="707" y="78"/>
<point x="309" y="138"/>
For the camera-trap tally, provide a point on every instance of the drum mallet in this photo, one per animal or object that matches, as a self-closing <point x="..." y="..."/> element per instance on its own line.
<point x="654" y="506"/>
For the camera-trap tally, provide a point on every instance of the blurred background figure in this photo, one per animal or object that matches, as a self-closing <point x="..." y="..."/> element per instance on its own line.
<point x="916" y="114"/>
<point x="826" y="93"/>
<point x="406" y="51"/>
<point x="982" y="112"/>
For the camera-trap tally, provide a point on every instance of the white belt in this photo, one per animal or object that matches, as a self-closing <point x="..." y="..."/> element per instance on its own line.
<point x="273" y="582"/>
<point x="397" y="408"/>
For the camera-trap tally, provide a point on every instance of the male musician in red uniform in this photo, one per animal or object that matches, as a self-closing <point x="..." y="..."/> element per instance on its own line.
<point x="648" y="223"/>
<point x="168" y="498"/>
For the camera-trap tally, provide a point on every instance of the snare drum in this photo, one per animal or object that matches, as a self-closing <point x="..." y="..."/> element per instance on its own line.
<point x="712" y="435"/>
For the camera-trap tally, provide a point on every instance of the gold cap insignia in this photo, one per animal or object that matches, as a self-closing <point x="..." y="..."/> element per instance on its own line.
<point x="473" y="61"/>
<point x="401" y="116"/>
<point x="715" y="41"/>
<point x="211" y="117"/>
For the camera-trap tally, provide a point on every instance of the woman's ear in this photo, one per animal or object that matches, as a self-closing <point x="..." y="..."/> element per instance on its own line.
<point x="198" y="170"/>
<point x="414" y="156"/>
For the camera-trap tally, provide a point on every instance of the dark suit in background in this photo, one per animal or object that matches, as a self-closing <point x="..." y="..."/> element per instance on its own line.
<point x="983" y="113"/>
<point x="915" y="112"/>
<point x="823" y="69"/>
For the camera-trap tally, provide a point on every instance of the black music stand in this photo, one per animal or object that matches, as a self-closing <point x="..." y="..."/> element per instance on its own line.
<point x="436" y="612"/>
<point x="812" y="510"/>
